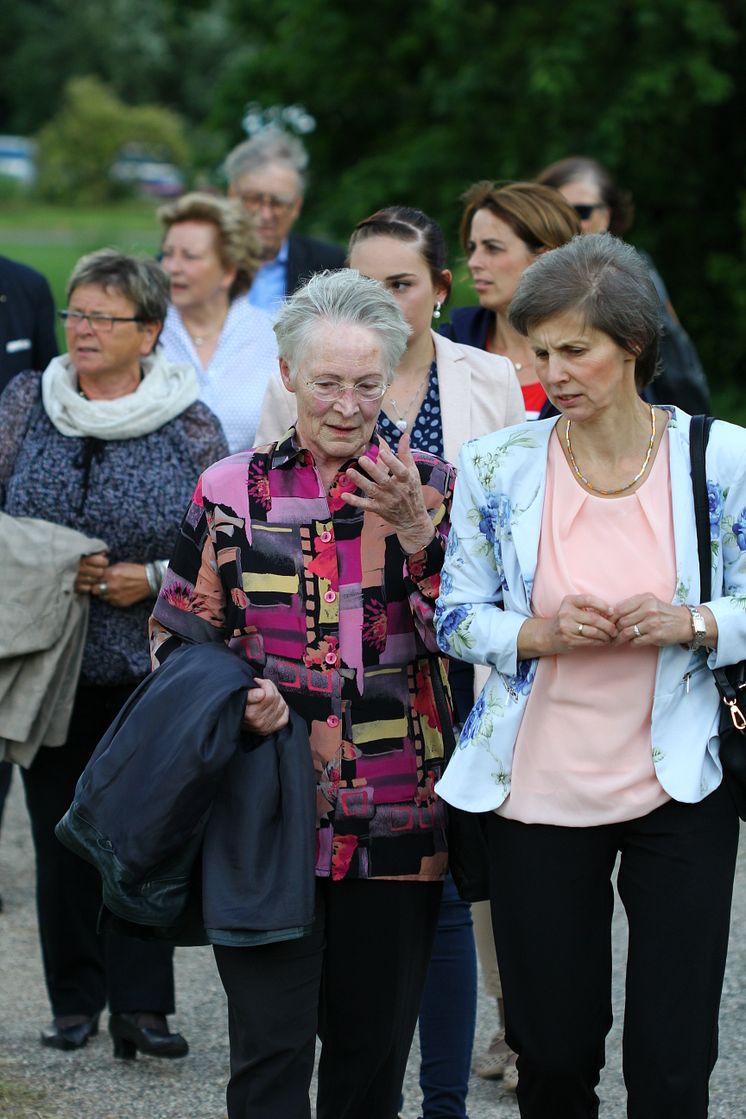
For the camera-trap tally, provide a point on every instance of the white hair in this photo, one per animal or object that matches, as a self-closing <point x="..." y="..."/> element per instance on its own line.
<point x="341" y="298"/>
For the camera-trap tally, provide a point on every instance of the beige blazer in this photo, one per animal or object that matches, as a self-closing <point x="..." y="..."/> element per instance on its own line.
<point x="479" y="393"/>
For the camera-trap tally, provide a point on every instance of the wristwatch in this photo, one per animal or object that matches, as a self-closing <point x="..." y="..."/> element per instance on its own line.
<point x="699" y="629"/>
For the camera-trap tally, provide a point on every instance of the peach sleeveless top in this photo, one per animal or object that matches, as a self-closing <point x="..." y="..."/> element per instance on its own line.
<point x="583" y="754"/>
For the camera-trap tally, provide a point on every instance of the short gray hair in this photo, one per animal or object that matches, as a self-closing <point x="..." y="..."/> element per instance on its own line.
<point x="607" y="282"/>
<point x="342" y="298"/>
<point x="269" y="146"/>
<point x="141" y="280"/>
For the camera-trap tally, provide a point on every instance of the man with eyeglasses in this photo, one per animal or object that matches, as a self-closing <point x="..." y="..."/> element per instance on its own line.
<point x="268" y="175"/>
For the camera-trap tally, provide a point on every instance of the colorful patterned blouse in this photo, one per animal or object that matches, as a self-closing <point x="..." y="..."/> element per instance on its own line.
<point x="320" y="598"/>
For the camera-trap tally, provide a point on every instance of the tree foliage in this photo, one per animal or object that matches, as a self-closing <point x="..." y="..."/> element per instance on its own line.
<point x="414" y="102"/>
<point x="79" y="144"/>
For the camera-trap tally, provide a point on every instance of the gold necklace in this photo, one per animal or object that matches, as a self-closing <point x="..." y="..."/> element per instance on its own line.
<point x="638" y="475"/>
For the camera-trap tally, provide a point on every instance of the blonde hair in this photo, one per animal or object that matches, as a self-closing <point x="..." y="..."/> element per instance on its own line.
<point x="236" y="241"/>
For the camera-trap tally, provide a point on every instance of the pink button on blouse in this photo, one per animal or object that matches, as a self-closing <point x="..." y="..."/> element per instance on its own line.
<point x="583" y="753"/>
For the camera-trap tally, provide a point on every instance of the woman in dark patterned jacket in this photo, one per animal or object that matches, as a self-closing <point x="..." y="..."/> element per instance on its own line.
<point x="109" y="440"/>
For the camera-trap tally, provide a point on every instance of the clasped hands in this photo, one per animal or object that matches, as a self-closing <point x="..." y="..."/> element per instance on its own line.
<point x="391" y="486"/>
<point x="585" y="619"/>
<point x="119" y="584"/>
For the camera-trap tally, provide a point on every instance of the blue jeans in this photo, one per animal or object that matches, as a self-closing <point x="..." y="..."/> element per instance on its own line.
<point x="448" y="1011"/>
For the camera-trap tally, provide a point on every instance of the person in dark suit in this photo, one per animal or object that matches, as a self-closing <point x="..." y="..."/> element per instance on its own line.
<point x="27" y="341"/>
<point x="268" y="174"/>
<point x="27" y="338"/>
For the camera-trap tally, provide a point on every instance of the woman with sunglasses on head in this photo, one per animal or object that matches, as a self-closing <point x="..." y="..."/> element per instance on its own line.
<point x="603" y="207"/>
<point x="98" y="455"/>
<point x="443" y="393"/>
<point x="503" y="230"/>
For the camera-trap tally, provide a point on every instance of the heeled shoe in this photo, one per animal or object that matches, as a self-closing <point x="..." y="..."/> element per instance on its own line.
<point x="64" y="1034"/>
<point x="131" y="1037"/>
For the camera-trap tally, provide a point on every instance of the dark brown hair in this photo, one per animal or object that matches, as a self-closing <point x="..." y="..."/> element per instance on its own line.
<point x="578" y="167"/>
<point x="537" y="214"/>
<point x="405" y="223"/>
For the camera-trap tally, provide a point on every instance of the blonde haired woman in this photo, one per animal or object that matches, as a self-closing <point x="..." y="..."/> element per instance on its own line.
<point x="211" y="254"/>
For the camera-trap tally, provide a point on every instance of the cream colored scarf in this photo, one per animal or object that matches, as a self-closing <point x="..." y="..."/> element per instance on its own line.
<point x="164" y="392"/>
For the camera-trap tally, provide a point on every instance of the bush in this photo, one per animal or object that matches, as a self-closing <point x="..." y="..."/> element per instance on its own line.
<point x="78" y="146"/>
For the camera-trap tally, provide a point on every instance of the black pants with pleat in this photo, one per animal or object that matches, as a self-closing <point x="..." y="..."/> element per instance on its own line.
<point x="552" y="903"/>
<point x="84" y="969"/>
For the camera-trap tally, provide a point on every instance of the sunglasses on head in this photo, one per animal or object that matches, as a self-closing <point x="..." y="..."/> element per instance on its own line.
<point x="585" y="209"/>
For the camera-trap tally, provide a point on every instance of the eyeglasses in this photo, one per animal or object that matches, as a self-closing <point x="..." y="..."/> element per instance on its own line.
<point x="99" y="324"/>
<point x="254" y="200"/>
<point x="326" y="388"/>
<point x="585" y="209"/>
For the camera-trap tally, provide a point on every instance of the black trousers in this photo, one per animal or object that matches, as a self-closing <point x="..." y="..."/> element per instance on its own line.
<point x="84" y="969"/>
<point x="356" y="979"/>
<point x="552" y="902"/>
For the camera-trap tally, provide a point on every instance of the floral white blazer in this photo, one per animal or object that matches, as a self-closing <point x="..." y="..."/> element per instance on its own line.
<point x="485" y="596"/>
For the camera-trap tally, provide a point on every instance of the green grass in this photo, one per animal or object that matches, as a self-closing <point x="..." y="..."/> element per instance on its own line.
<point x="53" y="238"/>
<point x="18" y="1101"/>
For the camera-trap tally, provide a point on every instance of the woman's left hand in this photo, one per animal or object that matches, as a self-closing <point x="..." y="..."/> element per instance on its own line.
<point x="391" y="487"/>
<point x="645" y="620"/>
<point x="122" y="584"/>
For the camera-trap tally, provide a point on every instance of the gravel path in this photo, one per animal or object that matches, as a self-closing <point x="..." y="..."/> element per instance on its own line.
<point x="39" y="1083"/>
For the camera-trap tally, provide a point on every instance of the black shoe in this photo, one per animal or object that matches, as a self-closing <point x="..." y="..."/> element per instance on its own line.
<point x="131" y="1036"/>
<point x="66" y="1034"/>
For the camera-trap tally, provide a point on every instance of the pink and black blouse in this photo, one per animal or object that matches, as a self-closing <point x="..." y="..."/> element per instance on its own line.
<point x="320" y="598"/>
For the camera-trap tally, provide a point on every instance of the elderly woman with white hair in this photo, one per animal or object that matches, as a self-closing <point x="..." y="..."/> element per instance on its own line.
<point x="317" y="559"/>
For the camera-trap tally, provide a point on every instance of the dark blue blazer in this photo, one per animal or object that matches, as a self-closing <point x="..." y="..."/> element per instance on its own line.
<point x="175" y="772"/>
<point x="27" y="338"/>
<point x="307" y="255"/>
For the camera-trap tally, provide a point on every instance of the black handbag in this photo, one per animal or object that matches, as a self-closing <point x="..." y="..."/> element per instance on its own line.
<point x="731" y="680"/>
<point x="468" y="857"/>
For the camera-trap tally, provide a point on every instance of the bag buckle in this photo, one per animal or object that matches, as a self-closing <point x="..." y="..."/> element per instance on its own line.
<point x="736" y="715"/>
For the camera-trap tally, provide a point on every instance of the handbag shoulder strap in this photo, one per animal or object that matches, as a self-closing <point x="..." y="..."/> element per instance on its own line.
<point x="441" y="704"/>
<point x="699" y="433"/>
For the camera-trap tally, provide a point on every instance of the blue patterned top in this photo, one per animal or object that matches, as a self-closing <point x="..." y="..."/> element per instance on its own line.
<point x="131" y="493"/>
<point x="427" y="431"/>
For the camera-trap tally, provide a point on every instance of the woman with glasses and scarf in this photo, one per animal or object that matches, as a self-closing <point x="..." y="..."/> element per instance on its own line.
<point x="603" y="207"/>
<point x="107" y="443"/>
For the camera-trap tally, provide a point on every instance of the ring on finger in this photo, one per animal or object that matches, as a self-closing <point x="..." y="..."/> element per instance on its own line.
<point x="103" y="588"/>
<point x="636" y="631"/>
<point x="580" y="629"/>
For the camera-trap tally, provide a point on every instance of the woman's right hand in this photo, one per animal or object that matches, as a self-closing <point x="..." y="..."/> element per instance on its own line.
<point x="266" y="710"/>
<point x="91" y="571"/>
<point x="582" y="621"/>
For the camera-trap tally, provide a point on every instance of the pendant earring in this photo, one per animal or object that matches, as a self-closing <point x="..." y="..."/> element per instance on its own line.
<point x="436" y="312"/>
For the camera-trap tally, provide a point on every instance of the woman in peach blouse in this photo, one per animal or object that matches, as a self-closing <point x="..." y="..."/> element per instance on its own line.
<point x="572" y="569"/>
